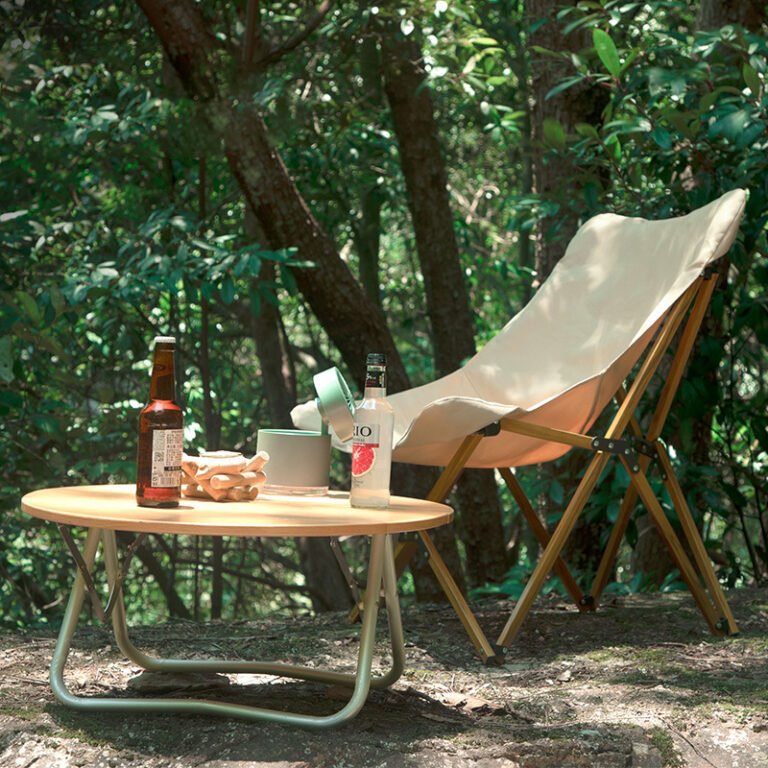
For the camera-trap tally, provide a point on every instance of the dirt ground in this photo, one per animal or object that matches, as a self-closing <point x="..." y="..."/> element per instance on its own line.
<point x="640" y="684"/>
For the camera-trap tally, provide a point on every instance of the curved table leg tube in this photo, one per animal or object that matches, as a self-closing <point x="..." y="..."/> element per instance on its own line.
<point x="397" y="641"/>
<point x="155" y="664"/>
<point x="379" y="554"/>
<point x="69" y="622"/>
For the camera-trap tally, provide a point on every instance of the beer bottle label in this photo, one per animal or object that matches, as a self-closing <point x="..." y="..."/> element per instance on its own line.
<point x="167" y="447"/>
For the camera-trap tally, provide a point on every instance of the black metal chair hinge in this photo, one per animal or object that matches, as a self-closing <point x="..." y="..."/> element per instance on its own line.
<point x="715" y="269"/>
<point x="618" y="447"/>
<point x="630" y="449"/>
<point x="491" y="430"/>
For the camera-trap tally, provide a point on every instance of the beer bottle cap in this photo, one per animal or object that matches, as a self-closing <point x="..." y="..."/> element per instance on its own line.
<point x="165" y="339"/>
<point x="376" y="358"/>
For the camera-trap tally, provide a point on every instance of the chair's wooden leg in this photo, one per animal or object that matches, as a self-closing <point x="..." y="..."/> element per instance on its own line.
<point x="687" y="571"/>
<point x="612" y="547"/>
<point x="448" y="477"/>
<point x="694" y="540"/>
<point x="439" y="491"/>
<point x="405" y="550"/>
<point x="460" y="605"/>
<point x="542" y="534"/>
<point x="617" y="534"/>
<point x="554" y="548"/>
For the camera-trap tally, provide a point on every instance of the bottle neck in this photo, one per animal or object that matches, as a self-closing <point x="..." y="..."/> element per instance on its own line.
<point x="163" y="385"/>
<point x="376" y="382"/>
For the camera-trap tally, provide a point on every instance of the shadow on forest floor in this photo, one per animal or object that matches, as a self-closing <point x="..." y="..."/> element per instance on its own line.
<point x="640" y="683"/>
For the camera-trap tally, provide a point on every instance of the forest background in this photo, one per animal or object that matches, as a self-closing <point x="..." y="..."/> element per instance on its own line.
<point x="287" y="186"/>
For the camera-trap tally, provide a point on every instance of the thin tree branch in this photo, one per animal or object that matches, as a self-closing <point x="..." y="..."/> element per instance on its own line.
<point x="277" y="52"/>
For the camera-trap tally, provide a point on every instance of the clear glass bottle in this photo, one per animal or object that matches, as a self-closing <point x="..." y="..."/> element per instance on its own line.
<point x="372" y="439"/>
<point x="161" y="434"/>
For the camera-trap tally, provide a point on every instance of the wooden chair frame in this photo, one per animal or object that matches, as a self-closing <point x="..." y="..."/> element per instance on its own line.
<point x="635" y="451"/>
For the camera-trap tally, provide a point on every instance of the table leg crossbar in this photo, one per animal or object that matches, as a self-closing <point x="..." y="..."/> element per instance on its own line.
<point x="381" y="569"/>
<point x="102" y="611"/>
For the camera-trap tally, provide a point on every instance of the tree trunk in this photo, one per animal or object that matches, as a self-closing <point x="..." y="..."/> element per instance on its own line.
<point x="367" y="236"/>
<point x="451" y="320"/>
<point x="554" y="177"/>
<point x="278" y="376"/>
<point x="328" y="589"/>
<point x="329" y="286"/>
<point x="555" y="180"/>
<point x="651" y="555"/>
<point x="427" y="185"/>
<point x="367" y="231"/>
<point x="714" y="14"/>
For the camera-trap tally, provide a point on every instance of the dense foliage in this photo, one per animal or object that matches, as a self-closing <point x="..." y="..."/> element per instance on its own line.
<point x="119" y="219"/>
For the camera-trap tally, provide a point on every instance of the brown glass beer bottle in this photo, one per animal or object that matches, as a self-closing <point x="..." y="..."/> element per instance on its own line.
<point x="161" y="433"/>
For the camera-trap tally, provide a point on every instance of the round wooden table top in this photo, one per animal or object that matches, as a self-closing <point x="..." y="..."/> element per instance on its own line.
<point x="114" y="507"/>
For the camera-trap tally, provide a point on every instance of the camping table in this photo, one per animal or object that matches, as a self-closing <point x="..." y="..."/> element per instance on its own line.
<point x="104" y="509"/>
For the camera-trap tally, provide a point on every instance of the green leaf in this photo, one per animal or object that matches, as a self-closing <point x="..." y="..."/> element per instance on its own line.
<point x="554" y="135"/>
<point x="750" y="135"/>
<point x="46" y="423"/>
<point x="58" y="302"/>
<point x="546" y="52"/>
<point x="628" y="61"/>
<point x="613" y="145"/>
<point x="208" y="291"/>
<point x="583" y="21"/>
<point x="587" y="130"/>
<point x="288" y="280"/>
<point x="606" y="50"/>
<point x="632" y="125"/>
<point x="6" y="360"/>
<point x="10" y="401"/>
<point x="662" y="137"/>
<point x="29" y="305"/>
<point x="10" y="215"/>
<point x="752" y="79"/>
<point x="556" y="492"/>
<point x="708" y="100"/>
<point x="227" y="290"/>
<point x="483" y="41"/>
<point x="730" y="126"/>
<point x="564" y="86"/>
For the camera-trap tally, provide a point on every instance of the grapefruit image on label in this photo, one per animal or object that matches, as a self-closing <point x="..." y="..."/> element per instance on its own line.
<point x="363" y="458"/>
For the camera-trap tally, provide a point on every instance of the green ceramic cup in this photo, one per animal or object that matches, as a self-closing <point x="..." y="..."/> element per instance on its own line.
<point x="299" y="461"/>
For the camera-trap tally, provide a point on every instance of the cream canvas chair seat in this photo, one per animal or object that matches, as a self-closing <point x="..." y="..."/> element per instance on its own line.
<point x="560" y="360"/>
<point x="615" y="300"/>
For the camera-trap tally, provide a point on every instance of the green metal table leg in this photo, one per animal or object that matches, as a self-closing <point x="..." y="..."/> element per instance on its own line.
<point x="380" y="566"/>
<point x="392" y="602"/>
<point x="69" y="622"/>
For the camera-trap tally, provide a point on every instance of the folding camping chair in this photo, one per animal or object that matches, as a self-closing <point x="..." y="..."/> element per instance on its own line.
<point x="613" y="305"/>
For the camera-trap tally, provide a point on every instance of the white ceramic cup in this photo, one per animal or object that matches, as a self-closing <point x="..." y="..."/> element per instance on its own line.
<point x="299" y="460"/>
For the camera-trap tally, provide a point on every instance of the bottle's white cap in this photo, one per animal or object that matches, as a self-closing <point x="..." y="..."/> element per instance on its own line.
<point x="165" y="339"/>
